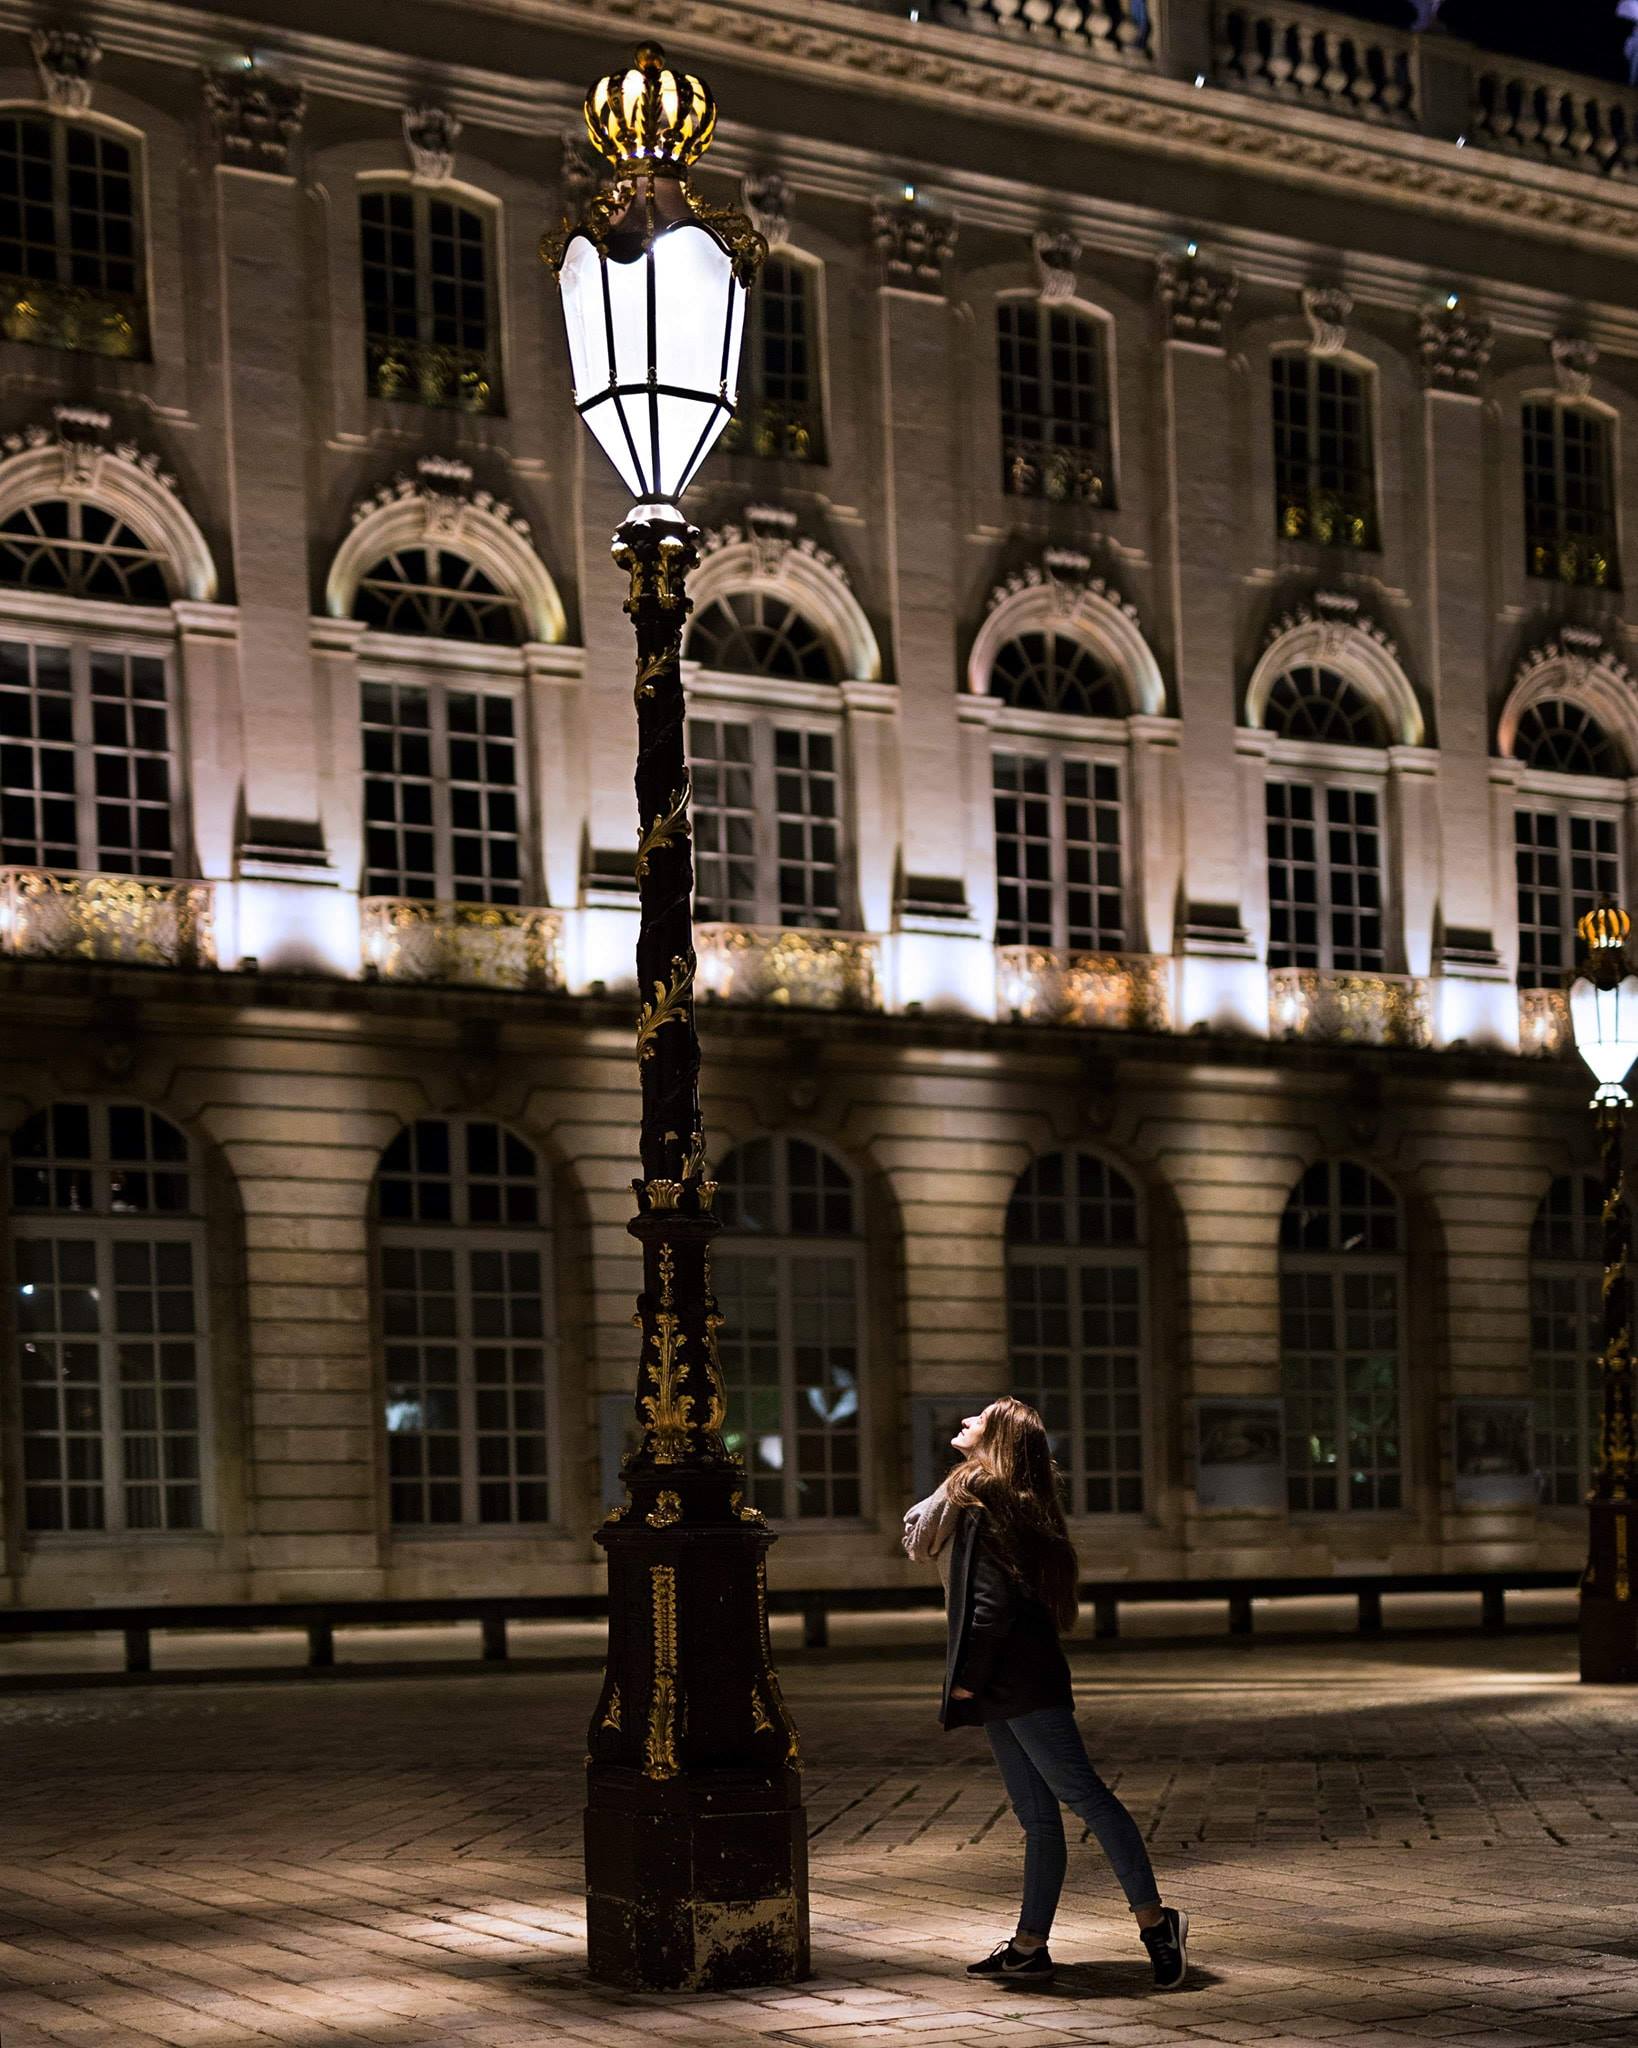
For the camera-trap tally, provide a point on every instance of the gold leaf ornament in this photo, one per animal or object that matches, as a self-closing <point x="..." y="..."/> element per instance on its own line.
<point x="670" y="1006"/>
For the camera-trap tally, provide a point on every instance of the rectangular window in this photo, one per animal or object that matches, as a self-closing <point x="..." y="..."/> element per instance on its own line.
<point x="1055" y="428"/>
<point x="766" y="815"/>
<point x="780" y="413"/>
<point x="441" y="812"/>
<point x="1566" y="862"/>
<point x="68" y="229"/>
<point x="1569" y="496"/>
<point x="1075" y="1337"/>
<point x="86" y="769"/>
<point x="1566" y="1335"/>
<point x="1058" y="861"/>
<point x="1324" y="878"/>
<point x="1324" y="459"/>
<point x="428" y="313"/>
<point x="1339" y="1341"/>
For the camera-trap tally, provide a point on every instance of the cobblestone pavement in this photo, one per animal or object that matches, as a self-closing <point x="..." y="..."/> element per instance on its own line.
<point x="1412" y="1840"/>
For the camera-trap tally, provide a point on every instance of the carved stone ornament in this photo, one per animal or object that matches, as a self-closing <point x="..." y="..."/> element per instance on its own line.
<point x="82" y="435"/>
<point x="1066" y="575"/>
<point x="256" y="116"/>
<point x="1338" y="616"/>
<point x="583" y="169"/>
<point x="444" y="486"/>
<point x="1577" y="652"/>
<point x="1574" y="361"/>
<point x="1056" y="258"/>
<point x="770" y="531"/>
<point x="913" y="241"/>
<point x="1455" y="348"/>
<point x="67" y="60"/>
<point x="1196" y="298"/>
<point x="767" y="198"/>
<point x="1327" y="308"/>
<point x="429" y="136"/>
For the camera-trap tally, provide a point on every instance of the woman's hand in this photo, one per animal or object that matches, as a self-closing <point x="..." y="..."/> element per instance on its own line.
<point x="961" y="1692"/>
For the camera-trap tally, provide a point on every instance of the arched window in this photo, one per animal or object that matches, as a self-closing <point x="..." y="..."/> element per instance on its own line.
<point x="429" y="316"/>
<point x="1567" y="1334"/>
<point x="758" y="633"/>
<point x="436" y="593"/>
<point x="1341" y="1284"/>
<point x="789" y="1280"/>
<point x="1566" y="843"/>
<point x="1324" y="452"/>
<point x="467" y="1325"/>
<point x="1569" y="494"/>
<point x="1325" y="866"/>
<point x="112" y="1344"/>
<point x="780" y="412"/>
<point x="70" y="238"/>
<point x="1075" y="1323"/>
<point x="1052" y="671"/>
<point x="1055" y="428"/>
<point x="78" y="549"/>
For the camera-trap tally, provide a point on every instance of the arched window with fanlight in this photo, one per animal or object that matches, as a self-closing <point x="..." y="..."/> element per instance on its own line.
<point x="1058" y="800"/>
<point x="466" y="1326"/>
<point x="1324" y="450"/>
<point x="1342" y="1288"/>
<point x="1056" y="435"/>
<point x="71" y="257"/>
<point x="788" y="1272"/>
<point x="111" y="1326"/>
<point x="1566" y="832"/>
<point x="1567" y="1334"/>
<point x="766" y="778"/>
<point x="1077" y="1323"/>
<point x="430" y="330"/>
<point x="1325" y="824"/>
<point x="1569" y="493"/>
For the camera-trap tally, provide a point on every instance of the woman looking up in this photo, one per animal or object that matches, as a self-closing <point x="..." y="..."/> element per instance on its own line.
<point x="997" y="1531"/>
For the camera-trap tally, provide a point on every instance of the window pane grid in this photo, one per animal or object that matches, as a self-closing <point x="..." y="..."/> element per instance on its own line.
<point x="131" y="763"/>
<point x="1324" y="878"/>
<point x="1058" y="853"/>
<point x="1565" y="863"/>
<point x="68" y="219"/>
<point x="723" y="814"/>
<point x="427" y="301"/>
<point x="1055" y="427"/>
<point x="1324" y="462"/>
<point x="441" y="813"/>
<point x="807" y="827"/>
<point x="767" y="825"/>
<point x="1569" y="496"/>
<point x="779" y="409"/>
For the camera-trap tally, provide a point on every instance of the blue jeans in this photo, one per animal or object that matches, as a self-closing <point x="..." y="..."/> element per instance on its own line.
<point x="1044" y="1765"/>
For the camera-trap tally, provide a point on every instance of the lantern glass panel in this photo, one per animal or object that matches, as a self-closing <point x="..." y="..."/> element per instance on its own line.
<point x="1605" y="1021"/>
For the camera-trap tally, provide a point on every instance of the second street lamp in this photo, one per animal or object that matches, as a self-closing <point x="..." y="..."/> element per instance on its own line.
<point x="696" y="1845"/>
<point x="1604" y="1015"/>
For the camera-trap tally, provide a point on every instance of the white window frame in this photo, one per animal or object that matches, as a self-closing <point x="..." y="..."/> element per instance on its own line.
<point x="440" y="667"/>
<point x="782" y="1250"/>
<point x="134" y="143"/>
<point x="1108" y="411"/>
<point x="1601" y="799"/>
<point x="468" y="198"/>
<point x="1365" y="372"/>
<point x="1324" y="767"/>
<point x="1559" y="403"/>
<point x="1552" y="1370"/>
<point x="461" y="1240"/>
<point x="768" y="705"/>
<point x="105" y="1230"/>
<point x="85" y="627"/>
<point x="1060" y="737"/>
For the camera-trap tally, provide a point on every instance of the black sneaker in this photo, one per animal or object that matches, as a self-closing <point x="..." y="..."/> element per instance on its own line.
<point x="1168" y="1946"/>
<point x="1015" y="1965"/>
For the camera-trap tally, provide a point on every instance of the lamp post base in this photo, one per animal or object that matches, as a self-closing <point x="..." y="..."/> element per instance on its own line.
<point x="697" y="1885"/>
<point x="1609" y="1613"/>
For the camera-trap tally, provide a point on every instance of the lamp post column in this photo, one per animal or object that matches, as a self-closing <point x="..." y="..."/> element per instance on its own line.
<point x="1609" y="1613"/>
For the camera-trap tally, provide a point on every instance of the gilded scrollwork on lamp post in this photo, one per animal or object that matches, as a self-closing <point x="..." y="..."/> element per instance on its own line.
<point x="690" y="1744"/>
<point x="1604" y="1015"/>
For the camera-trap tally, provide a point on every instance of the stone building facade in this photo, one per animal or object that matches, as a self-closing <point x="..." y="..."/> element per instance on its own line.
<point x="1161" y="696"/>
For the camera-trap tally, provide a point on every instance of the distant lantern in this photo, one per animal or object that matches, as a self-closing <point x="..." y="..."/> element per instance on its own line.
<point x="1604" y="1005"/>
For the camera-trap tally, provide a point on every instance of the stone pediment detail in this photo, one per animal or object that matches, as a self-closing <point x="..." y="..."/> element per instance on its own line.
<point x="67" y="60"/>
<point x="767" y="199"/>
<point x="1576" y="652"/>
<point x="444" y="487"/>
<point x="83" y="436"/>
<point x="1338" y="615"/>
<point x="1327" y="309"/>
<point x="1574" y="361"/>
<point x="1065" y="576"/>
<point x="429" y="135"/>
<point x="1057" y="258"/>
<point x="770" y="533"/>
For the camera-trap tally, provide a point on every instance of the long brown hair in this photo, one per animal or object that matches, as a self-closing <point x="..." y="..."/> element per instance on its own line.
<point x="1009" y="1477"/>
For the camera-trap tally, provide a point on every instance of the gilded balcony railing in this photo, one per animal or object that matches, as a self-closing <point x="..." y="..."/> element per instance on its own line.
<point x="767" y="427"/>
<point x="72" y="316"/>
<point x="431" y="373"/>
<point x="1349" y="1009"/>
<point x="126" y="920"/>
<point x="1329" y="519"/>
<point x="1095" y="991"/>
<point x="475" y="945"/>
<point x="1032" y="469"/>
<point x="1544" y="1023"/>
<point x="809" y="970"/>
<point x="1312" y="59"/>
<point x="1585" y="559"/>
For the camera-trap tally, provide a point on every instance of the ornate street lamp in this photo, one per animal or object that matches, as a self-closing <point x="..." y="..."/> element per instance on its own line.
<point x="696" y="1842"/>
<point x="1604" y="1014"/>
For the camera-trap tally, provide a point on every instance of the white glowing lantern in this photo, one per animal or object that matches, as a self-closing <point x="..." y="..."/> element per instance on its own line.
<point x="1604" y="1006"/>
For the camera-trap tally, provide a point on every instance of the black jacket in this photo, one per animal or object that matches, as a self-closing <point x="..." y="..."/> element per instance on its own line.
<point x="1003" y="1645"/>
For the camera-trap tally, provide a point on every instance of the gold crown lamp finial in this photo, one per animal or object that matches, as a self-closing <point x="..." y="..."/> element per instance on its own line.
<point x="649" y="118"/>
<point x="1605" y="927"/>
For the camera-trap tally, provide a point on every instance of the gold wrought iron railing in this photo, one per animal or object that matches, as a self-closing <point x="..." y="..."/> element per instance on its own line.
<point x="126" y="920"/>
<point x="770" y="428"/>
<point x="809" y="970"/>
<point x="431" y="373"/>
<point x="1328" y="519"/>
<point x="72" y="316"/>
<point x="1587" y="560"/>
<point x="474" y="945"/>
<point x="1349" y="1009"/>
<point x="1096" y="991"/>
<point x="1032" y="469"/>
<point x="1544" y="1023"/>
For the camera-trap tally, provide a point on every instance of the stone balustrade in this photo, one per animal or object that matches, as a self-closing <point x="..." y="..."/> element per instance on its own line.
<point x="1116" y="29"/>
<point x="1317" y="60"/>
<point x="1544" y="1023"/>
<point x="473" y="945"/>
<point x="1349" y="1009"/>
<point x="124" y="920"/>
<point x="808" y="970"/>
<point x="1093" y="991"/>
<point x="1580" y="124"/>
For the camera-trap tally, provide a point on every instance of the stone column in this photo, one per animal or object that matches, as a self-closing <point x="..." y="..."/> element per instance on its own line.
<point x="1473" y="998"/>
<point x="1221" y="978"/>
<point x="290" y="913"/>
<point x="940" y="956"/>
